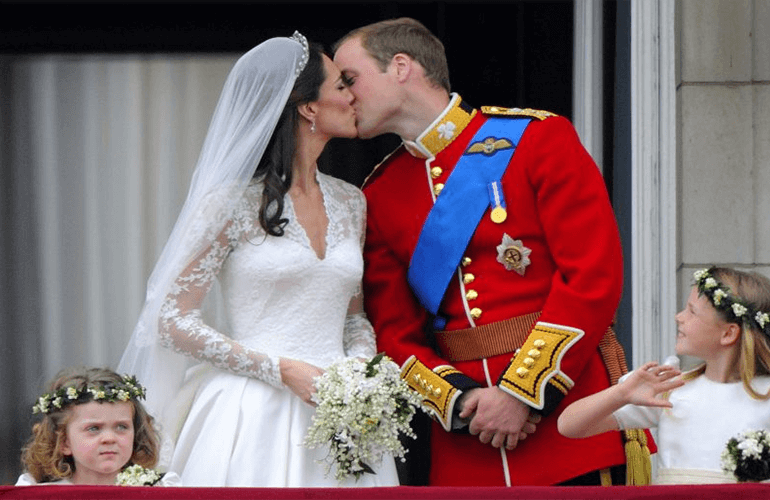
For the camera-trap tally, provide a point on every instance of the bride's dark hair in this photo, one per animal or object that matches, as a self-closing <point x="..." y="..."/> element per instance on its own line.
<point x="274" y="168"/>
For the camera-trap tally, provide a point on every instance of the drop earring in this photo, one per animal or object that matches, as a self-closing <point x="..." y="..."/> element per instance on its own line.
<point x="312" y="127"/>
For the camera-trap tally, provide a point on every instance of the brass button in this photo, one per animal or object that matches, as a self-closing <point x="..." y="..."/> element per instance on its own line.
<point x="466" y="261"/>
<point x="471" y="295"/>
<point x="468" y="278"/>
<point x="539" y="343"/>
<point x="476" y="313"/>
<point x="522" y="372"/>
<point x="528" y="362"/>
<point x="436" y="172"/>
<point x="533" y="353"/>
<point x="437" y="189"/>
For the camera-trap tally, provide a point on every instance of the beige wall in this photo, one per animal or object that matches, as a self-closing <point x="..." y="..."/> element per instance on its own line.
<point x="723" y="136"/>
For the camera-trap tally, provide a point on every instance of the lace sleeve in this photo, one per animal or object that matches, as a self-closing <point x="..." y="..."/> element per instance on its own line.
<point x="182" y="329"/>
<point x="358" y="338"/>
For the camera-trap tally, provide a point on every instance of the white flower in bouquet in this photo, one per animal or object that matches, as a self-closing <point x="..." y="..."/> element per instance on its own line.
<point x="136" y="475"/>
<point x="363" y="408"/>
<point x="747" y="456"/>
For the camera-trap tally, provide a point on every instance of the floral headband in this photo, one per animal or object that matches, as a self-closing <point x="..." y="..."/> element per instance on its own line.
<point x="127" y="389"/>
<point x="720" y="297"/>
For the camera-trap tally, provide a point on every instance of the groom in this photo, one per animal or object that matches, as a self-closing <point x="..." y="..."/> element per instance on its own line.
<point x="493" y="267"/>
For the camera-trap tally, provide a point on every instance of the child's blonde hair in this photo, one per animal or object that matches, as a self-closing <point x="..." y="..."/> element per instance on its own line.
<point x="42" y="456"/>
<point x="751" y="290"/>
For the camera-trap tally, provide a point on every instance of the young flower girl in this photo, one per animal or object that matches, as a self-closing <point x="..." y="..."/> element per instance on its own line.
<point x="94" y="430"/>
<point x="726" y="324"/>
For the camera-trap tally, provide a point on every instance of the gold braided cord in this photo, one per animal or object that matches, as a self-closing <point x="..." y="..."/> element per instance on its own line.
<point x="638" y="462"/>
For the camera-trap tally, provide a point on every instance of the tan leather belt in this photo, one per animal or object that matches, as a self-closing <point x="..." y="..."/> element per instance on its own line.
<point x="506" y="336"/>
<point x="487" y="340"/>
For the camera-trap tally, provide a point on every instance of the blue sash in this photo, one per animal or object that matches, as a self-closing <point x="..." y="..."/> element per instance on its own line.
<point x="458" y="210"/>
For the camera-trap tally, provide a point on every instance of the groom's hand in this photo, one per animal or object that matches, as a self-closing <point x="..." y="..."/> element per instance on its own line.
<point x="498" y="418"/>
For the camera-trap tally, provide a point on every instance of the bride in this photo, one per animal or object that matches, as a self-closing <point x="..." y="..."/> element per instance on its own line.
<point x="281" y="243"/>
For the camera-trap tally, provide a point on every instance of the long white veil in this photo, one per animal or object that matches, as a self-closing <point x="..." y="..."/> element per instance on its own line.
<point x="251" y="102"/>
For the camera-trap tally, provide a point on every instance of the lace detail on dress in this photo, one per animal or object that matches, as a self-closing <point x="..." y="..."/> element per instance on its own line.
<point x="182" y="327"/>
<point x="279" y="298"/>
<point x="358" y="339"/>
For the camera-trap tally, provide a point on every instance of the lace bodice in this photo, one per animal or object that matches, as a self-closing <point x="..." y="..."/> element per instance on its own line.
<point x="280" y="299"/>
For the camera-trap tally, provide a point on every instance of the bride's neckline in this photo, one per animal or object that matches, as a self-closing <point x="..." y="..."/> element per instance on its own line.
<point x="316" y="239"/>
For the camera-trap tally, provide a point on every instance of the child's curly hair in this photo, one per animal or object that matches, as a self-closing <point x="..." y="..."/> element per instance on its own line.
<point x="42" y="456"/>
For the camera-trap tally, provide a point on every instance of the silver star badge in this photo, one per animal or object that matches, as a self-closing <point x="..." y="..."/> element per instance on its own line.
<point x="513" y="255"/>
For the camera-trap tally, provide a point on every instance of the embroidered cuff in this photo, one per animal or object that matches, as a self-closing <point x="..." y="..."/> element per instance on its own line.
<point x="439" y="388"/>
<point x="534" y="375"/>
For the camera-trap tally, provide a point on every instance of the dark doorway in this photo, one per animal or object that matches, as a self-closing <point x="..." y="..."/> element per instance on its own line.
<point x="514" y="54"/>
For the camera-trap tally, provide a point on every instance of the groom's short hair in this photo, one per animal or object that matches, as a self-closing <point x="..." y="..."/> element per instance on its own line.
<point x="385" y="39"/>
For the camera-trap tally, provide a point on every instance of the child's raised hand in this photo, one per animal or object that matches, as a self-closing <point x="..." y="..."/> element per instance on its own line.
<point x="645" y="384"/>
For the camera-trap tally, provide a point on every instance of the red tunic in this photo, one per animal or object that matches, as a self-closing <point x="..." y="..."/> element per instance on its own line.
<point x="558" y="207"/>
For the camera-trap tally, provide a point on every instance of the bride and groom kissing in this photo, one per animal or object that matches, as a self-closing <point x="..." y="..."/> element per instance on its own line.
<point x="457" y="259"/>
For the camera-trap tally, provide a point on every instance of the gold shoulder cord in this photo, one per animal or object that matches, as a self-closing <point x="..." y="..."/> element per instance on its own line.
<point x="638" y="462"/>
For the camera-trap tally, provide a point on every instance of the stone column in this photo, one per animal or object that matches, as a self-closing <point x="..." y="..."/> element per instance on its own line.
<point x="723" y="125"/>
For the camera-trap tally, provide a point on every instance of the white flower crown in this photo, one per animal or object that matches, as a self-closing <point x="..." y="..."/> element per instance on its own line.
<point x="720" y="296"/>
<point x="129" y="388"/>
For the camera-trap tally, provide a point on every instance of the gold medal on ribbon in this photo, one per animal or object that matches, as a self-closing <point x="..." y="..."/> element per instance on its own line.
<point x="496" y="200"/>
<point x="498" y="215"/>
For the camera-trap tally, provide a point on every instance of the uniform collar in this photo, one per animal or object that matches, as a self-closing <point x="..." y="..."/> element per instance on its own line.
<point x="444" y="129"/>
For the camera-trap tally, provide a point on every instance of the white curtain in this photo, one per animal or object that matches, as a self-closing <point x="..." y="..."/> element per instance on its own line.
<point x="95" y="160"/>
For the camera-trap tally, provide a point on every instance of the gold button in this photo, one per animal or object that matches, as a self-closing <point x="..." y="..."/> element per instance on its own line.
<point x="468" y="278"/>
<point x="539" y="343"/>
<point x="437" y="188"/>
<point x="528" y="362"/>
<point x="471" y="295"/>
<point x="436" y="171"/>
<point x="522" y="372"/>
<point x="466" y="261"/>
<point x="533" y="353"/>
<point x="476" y="313"/>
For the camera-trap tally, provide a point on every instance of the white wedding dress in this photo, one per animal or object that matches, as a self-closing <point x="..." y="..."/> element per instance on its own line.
<point x="243" y="427"/>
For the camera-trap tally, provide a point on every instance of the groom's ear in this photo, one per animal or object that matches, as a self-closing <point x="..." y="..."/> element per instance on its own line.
<point x="403" y="66"/>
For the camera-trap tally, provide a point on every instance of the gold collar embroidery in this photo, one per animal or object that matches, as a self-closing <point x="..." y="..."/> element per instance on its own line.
<point x="449" y="124"/>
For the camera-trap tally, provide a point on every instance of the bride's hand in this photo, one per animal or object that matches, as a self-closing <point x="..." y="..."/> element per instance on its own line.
<point x="298" y="376"/>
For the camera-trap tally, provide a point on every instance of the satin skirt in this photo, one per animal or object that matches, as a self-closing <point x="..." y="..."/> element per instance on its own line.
<point x="242" y="432"/>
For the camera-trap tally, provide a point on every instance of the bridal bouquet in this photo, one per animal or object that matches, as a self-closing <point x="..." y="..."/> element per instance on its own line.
<point x="747" y="456"/>
<point x="363" y="407"/>
<point x="136" y="475"/>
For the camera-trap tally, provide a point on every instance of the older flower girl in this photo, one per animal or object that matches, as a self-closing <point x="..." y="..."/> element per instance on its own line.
<point x="726" y="324"/>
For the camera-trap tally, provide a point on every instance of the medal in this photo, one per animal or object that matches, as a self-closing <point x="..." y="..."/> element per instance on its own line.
<point x="498" y="215"/>
<point x="497" y="202"/>
<point x="513" y="255"/>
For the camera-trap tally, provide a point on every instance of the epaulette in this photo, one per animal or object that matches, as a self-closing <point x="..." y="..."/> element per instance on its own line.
<point x="528" y="112"/>
<point x="377" y="170"/>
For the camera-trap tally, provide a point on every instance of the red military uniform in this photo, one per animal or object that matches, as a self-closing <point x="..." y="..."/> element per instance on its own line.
<point x="557" y="254"/>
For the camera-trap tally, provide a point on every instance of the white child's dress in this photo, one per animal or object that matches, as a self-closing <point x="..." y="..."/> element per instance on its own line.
<point x="692" y="435"/>
<point x="26" y="479"/>
<point x="281" y="300"/>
